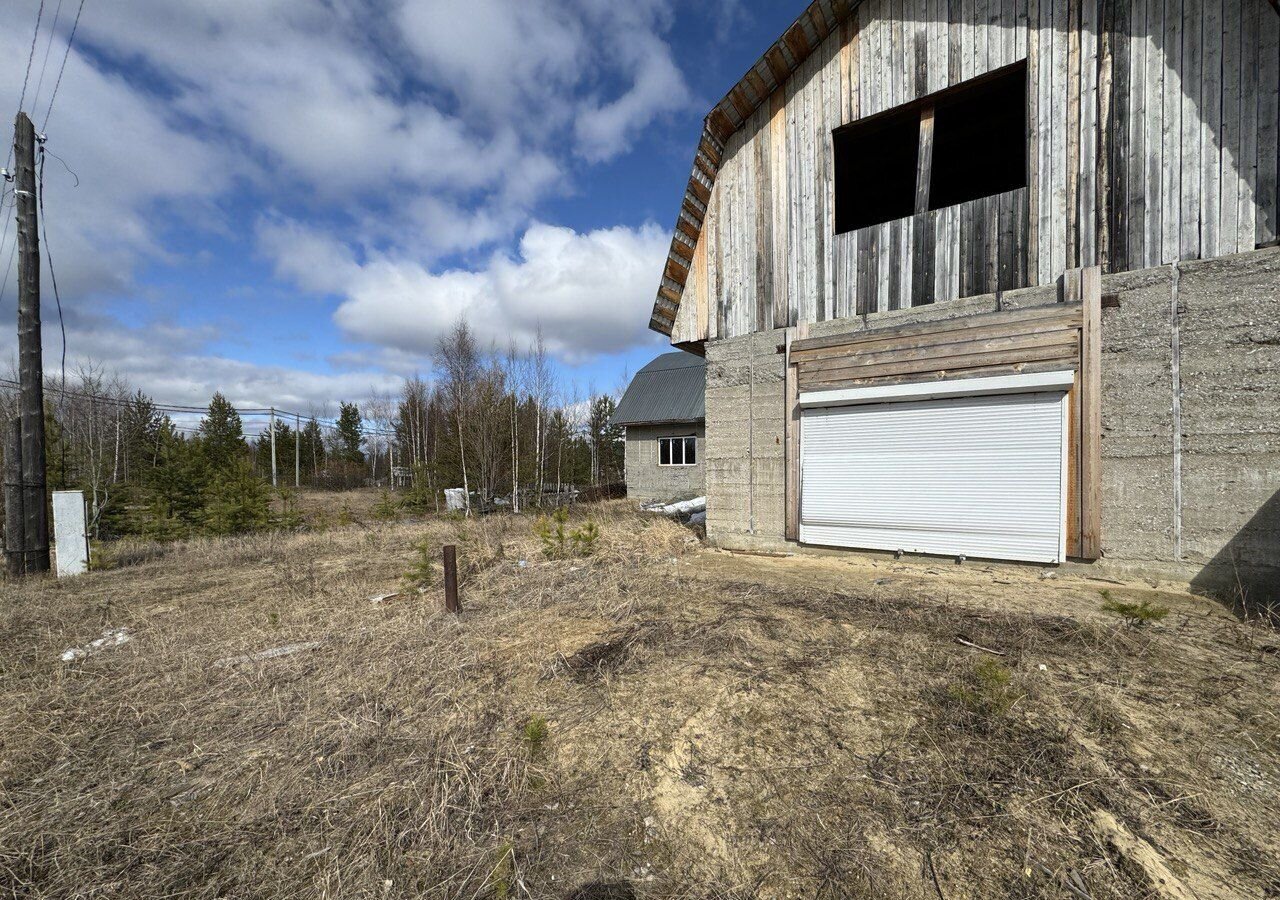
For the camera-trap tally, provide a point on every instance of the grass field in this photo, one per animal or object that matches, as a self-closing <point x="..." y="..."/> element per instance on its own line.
<point x="655" y="719"/>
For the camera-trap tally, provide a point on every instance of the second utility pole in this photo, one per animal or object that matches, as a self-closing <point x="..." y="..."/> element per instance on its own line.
<point x="275" y="480"/>
<point x="35" y="499"/>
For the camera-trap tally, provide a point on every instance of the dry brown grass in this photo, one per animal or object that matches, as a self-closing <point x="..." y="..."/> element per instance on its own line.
<point x="716" y="726"/>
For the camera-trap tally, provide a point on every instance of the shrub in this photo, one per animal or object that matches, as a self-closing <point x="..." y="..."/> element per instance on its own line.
<point x="986" y="692"/>
<point x="552" y="534"/>
<point x="536" y="732"/>
<point x="386" y="509"/>
<point x="237" y="501"/>
<point x="585" y="539"/>
<point x="1135" y="614"/>
<point x="557" y="543"/>
<point x="422" y="574"/>
<point x="419" y="498"/>
<point x="290" y="516"/>
<point x="345" y="516"/>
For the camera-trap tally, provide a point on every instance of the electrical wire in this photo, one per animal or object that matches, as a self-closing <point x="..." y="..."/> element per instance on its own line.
<point x="70" y="39"/>
<point x="178" y="409"/>
<point x="48" y="48"/>
<point x="30" y="58"/>
<point x="53" y="275"/>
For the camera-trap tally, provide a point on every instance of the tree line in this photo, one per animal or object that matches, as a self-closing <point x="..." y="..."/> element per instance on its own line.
<point x="496" y="423"/>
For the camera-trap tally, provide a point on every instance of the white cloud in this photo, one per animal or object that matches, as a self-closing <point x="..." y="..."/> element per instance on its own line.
<point x="604" y="130"/>
<point x="589" y="292"/>
<point x="412" y="129"/>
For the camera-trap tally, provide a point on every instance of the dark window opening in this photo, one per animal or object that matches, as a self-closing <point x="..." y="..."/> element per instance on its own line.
<point x="677" y="451"/>
<point x="876" y="165"/>
<point x="980" y="141"/>
<point x="978" y="133"/>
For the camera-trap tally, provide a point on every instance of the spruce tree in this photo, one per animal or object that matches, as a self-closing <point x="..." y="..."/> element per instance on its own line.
<point x="221" y="433"/>
<point x="350" y="433"/>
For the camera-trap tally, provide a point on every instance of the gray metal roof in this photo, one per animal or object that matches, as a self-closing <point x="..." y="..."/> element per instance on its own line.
<point x="672" y="388"/>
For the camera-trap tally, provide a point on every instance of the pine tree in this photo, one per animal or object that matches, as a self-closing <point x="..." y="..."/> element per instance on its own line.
<point x="606" y="440"/>
<point x="221" y="433"/>
<point x="143" y="427"/>
<point x="350" y="433"/>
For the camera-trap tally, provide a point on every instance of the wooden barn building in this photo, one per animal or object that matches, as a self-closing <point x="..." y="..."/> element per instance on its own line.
<point x="995" y="279"/>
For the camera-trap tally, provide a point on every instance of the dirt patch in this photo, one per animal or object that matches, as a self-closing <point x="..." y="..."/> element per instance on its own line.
<point x="653" y="721"/>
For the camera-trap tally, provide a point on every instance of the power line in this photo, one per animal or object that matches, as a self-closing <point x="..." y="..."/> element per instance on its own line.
<point x="179" y="409"/>
<point x="53" y="277"/>
<point x="70" y="38"/>
<point x="30" y="59"/>
<point x="48" y="48"/>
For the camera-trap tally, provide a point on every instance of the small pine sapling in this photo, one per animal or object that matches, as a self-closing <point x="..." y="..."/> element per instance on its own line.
<point x="1135" y="615"/>
<point x="386" y="509"/>
<point x="551" y="532"/>
<point x="585" y="538"/>
<point x="536" y="731"/>
<point x="422" y="574"/>
<point x="345" y="516"/>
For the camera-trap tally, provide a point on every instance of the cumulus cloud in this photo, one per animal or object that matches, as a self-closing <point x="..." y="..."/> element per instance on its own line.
<point x="173" y="363"/>
<point x="588" y="292"/>
<point x="417" y="130"/>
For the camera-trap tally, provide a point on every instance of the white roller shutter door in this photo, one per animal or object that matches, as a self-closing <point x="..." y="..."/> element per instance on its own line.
<point x="972" y="476"/>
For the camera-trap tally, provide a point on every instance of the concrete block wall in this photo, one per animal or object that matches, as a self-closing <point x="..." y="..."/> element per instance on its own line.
<point x="646" y="480"/>
<point x="746" y="479"/>
<point x="1200" y="493"/>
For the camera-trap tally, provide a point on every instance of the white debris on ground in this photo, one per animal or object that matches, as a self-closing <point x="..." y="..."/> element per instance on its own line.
<point x="383" y="598"/>
<point x="286" y="650"/>
<point x="111" y="638"/>
<point x="680" y="508"/>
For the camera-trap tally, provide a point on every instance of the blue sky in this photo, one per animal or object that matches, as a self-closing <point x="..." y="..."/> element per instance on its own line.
<point x="288" y="200"/>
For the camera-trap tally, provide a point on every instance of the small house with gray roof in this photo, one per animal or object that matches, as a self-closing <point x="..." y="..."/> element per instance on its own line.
<point x="663" y="412"/>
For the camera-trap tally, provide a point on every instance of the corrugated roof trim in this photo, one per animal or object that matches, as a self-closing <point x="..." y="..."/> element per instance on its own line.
<point x="750" y="93"/>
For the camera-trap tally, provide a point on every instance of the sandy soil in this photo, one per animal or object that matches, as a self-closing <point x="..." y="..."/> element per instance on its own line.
<point x="653" y="720"/>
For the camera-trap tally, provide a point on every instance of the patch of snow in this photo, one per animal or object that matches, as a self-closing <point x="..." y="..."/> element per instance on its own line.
<point x="286" y="650"/>
<point x="111" y="638"/>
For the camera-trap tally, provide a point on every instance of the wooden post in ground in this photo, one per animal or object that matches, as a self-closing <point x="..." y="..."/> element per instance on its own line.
<point x="297" y="451"/>
<point x="35" y="501"/>
<point x="14" y="521"/>
<point x="451" y="579"/>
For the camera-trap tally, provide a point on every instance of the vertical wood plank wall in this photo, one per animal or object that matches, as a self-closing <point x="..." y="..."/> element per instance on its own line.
<point x="1152" y="137"/>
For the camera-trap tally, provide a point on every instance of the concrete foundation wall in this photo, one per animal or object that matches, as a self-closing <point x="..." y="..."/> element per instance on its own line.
<point x="1199" y="492"/>
<point x="746" y="478"/>
<point x="646" y="480"/>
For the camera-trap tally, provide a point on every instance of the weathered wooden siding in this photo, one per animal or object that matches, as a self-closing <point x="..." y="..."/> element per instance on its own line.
<point x="1152" y="137"/>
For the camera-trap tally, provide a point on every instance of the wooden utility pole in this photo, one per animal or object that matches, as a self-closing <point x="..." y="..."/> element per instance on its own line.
<point x="35" y="507"/>
<point x="14" y="521"/>
<point x="297" y="451"/>
<point x="275" y="480"/>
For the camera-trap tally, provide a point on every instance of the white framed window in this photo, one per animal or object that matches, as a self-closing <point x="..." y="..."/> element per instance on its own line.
<point x="677" y="451"/>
